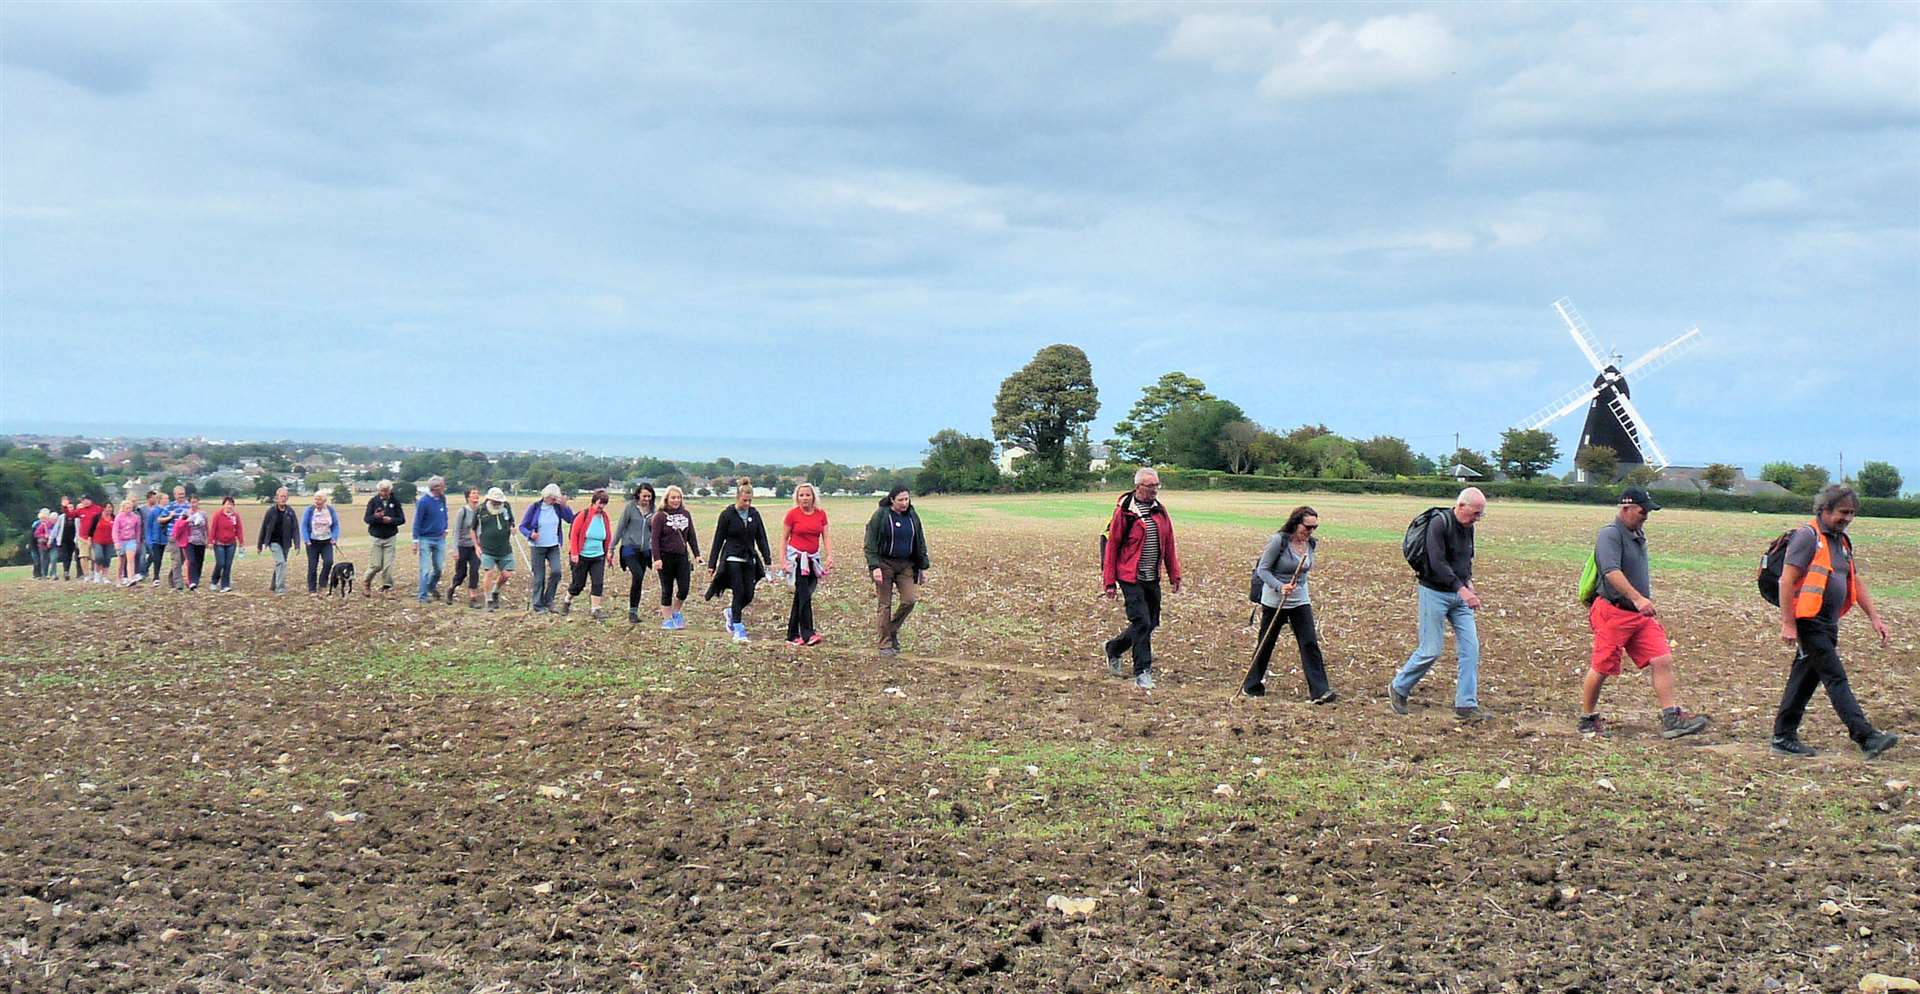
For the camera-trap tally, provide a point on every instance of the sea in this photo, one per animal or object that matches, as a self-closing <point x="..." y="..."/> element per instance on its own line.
<point x="691" y="448"/>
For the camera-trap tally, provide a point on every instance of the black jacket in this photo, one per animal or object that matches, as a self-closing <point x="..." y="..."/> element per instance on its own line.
<point x="396" y="516"/>
<point x="734" y="537"/>
<point x="1449" y="553"/>
<point x="280" y="527"/>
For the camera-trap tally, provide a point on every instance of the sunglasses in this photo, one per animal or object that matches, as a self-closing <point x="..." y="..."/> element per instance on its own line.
<point x="1311" y="528"/>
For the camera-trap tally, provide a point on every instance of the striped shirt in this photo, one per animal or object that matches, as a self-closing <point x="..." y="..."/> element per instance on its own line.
<point x="1149" y="570"/>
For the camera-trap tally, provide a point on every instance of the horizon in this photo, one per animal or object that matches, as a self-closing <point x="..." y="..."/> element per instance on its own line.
<point x="1330" y="214"/>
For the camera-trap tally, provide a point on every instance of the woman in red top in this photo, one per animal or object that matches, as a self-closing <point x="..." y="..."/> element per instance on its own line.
<point x="226" y="532"/>
<point x="100" y="533"/>
<point x="809" y="555"/>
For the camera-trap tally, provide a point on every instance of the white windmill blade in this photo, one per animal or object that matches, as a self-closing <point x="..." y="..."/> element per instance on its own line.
<point x="1664" y="354"/>
<point x="1573" y="401"/>
<point x="1637" y="429"/>
<point x="1581" y="336"/>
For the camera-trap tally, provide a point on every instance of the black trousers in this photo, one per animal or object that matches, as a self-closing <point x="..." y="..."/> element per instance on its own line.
<point x="588" y="566"/>
<point x="1143" y="616"/>
<point x="68" y="553"/>
<point x="1817" y="663"/>
<point x="676" y="577"/>
<point x="800" y="617"/>
<point x="740" y="581"/>
<point x="466" y="566"/>
<point x="196" y="561"/>
<point x="636" y="564"/>
<point x="319" y="551"/>
<point x="155" y="562"/>
<point x="1312" y="663"/>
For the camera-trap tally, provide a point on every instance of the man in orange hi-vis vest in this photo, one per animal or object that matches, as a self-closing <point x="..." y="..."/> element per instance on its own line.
<point x="1819" y="583"/>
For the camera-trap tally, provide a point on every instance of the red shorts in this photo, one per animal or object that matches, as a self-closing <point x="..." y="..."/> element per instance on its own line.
<point x="1615" y="629"/>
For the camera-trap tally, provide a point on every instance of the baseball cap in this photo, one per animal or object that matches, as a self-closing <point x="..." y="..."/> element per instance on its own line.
<point x="1638" y="495"/>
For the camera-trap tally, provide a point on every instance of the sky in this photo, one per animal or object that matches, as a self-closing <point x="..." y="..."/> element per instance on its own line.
<point x="852" y="221"/>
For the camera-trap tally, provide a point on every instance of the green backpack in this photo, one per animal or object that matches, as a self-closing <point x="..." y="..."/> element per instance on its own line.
<point x="1589" y="580"/>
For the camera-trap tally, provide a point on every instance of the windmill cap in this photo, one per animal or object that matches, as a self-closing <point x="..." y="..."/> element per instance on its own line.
<point x="1638" y="495"/>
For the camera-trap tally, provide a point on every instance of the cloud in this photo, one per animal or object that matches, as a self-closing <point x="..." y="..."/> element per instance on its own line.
<point x="1301" y="59"/>
<point x="1767" y="200"/>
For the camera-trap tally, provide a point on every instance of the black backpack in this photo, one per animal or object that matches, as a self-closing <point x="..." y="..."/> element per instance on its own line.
<point x="1413" y="547"/>
<point x="1772" y="565"/>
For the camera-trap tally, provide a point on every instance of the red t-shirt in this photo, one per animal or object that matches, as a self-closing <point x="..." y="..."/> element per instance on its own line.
<point x="806" y="529"/>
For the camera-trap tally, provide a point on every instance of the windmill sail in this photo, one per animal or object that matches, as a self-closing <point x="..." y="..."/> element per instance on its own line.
<point x="1612" y="420"/>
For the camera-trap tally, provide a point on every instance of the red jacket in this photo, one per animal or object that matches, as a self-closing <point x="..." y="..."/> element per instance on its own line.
<point x="1120" y="559"/>
<point x="577" y="539"/>
<point x="100" y="531"/>
<point x="85" y="517"/>
<point x="224" y="531"/>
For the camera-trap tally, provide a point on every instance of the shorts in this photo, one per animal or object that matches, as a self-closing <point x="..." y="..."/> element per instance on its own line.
<point x="129" y="548"/>
<point x="102" y="554"/>
<point x="1616" y="629"/>
<point x="497" y="562"/>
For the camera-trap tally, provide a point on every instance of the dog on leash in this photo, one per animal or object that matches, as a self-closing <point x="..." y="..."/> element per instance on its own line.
<point x="340" y="581"/>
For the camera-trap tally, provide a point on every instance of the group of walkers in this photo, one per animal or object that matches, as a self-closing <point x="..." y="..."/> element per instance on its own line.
<point x="1819" y="582"/>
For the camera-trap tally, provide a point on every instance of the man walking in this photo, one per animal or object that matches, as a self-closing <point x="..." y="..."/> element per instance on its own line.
<point x="384" y="517"/>
<point x="1819" y="583"/>
<point x="1138" y="551"/>
<point x="1623" y="620"/>
<point x="430" y="536"/>
<point x="1447" y="601"/>
<point x="279" y="534"/>
<point x="154" y="535"/>
<point x="544" y="528"/>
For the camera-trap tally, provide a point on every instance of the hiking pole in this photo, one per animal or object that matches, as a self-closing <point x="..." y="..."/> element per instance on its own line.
<point x="1260" y="638"/>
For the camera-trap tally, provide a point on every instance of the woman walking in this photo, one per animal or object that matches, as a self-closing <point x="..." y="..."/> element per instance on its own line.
<point x="320" y="531"/>
<point x="896" y="549"/>
<point x="43" y="542"/>
<point x="587" y="552"/>
<point x="809" y="555"/>
<point x="102" y="540"/>
<point x="739" y="557"/>
<point x="66" y="544"/>
<point x="1284" y="600"/>
<point x="198" y="527"/>
<point x="226" y="532"/>
<point x="466" y="553"/>
<point x="127" y="531"/>
<point x="178" y="534"/>
<point x="675" y="546"/>
<point x="635" y="540"/>
<point x="493" y="533"/>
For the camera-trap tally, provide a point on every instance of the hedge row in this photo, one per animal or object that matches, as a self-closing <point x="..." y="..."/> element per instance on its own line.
<point x="1182" y="479"/>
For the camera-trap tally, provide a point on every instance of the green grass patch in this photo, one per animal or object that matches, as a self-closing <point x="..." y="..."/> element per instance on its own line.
<point x="489" y="672"/>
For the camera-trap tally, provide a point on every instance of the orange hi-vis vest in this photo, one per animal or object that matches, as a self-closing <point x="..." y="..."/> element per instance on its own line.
<point x="1813" y="587"/>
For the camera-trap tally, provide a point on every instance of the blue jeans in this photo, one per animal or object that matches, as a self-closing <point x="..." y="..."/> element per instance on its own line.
<point x="223" y="565"/>
<point x="545" y="575"/>
<point x="433" y="555"/>
<point x="1437" y="611"/>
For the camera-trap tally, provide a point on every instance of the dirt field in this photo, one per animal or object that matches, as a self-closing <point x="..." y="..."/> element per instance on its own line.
<point x="225" y="793"/>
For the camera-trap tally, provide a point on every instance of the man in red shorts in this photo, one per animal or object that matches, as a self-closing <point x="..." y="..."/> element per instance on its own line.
<point x="1625" y="622"/>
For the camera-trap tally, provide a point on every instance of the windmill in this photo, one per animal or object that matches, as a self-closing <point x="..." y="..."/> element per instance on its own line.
<point x="1612" y="420"/>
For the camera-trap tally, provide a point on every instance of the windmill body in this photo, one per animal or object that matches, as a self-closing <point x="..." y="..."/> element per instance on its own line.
<point x="1612" y="420"/>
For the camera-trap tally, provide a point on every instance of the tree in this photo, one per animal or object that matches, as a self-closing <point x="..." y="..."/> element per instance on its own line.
<point x="404" y="491"/>
<point x="1527" y="452"/>
<point x="343" y="496"/>
<point x="1190" y="434"/>
<point x="1879" y="479"/>
<point x="1641" y="475"/>
<point x="1719" y="476"/>
<point x="1781" y="473"/>
<point x="1599" y="462"/>
<point x="1137" y="436"/>
<point x="1238" y="443"/>
<point x="1470" y="459"/>
<point x="1335" y="458"/>
<point x="139" y="463"/>
<point x="1042" y="403"/>
<point x="264" y="486"/>
<point x="1808" y="478"/>
<point x="1388" y="456"/>
<point x="214" y="487"/>
<point x="74" y="450"/>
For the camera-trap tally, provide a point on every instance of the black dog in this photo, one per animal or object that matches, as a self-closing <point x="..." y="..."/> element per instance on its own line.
<point x="340" y="581"/>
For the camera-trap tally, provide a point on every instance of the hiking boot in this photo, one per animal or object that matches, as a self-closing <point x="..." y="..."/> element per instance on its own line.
<point x="1144" y="680"/>
<point x="450" y="592"/>
<point x="1327" y="698"/>
<point x="893" y="642"/>
<point x="1396" y="701"/>
<point x="1116" y="666"/>
<point x="889" y="651"/>
<point x="1675" y="723"/>
<point x="633" y="617"/>
<point x="1257" y="690"/>
<point x="1878" y="743"/>
<point x="1591" y="725"/>
<point x="1790" y="745"/>
<point x="599" y="615"/>
<point x="1472" y="714"/>
<point x="566" y="605"/>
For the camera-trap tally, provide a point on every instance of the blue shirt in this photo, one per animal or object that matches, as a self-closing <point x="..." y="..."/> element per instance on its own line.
<point x="156" y="533"/>
<point x="546" y="525"/>
<point x="430" y="517"/>
<point x="595" y="542"/>
<point x="899" y="535"/>
<point x="159" y="533"/>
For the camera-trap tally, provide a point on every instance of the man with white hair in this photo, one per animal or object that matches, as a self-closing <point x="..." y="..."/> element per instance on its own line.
<point x="384" y="517"/>
<point x="1447" y="600"/>
<point x="545" y="529"/>
<point x="430" y="536"/>
<point x="1137" y="552"/>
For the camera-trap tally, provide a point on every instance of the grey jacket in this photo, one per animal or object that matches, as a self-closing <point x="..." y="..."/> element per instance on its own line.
<point x="636" y="529"/>
<point x="1278" y="566"/>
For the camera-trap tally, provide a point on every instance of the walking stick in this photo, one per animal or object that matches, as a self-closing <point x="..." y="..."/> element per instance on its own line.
<point x="1259" y="639"/>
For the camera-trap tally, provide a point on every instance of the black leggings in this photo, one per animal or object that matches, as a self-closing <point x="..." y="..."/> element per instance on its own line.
<point x="1300" y="618"/>
<point x="636" y="565"/>
<point x="674" y="569"/>
<point x="740" y="579"/>
<point x="196" y="561"/>
<point x="466" y="566"/>
<point x="589" y="566"/>
<point x="319" y="550"/>
<point x="800" y="618"/>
